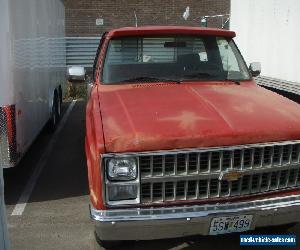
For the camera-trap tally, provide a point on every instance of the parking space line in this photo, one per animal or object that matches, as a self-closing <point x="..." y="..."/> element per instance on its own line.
<point x="22" y="202"/>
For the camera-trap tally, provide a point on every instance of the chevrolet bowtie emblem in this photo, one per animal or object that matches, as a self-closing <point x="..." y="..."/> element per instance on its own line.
<point x="231" y="175"/>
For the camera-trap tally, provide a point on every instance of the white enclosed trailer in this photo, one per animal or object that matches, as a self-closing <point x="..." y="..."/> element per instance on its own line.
<point x="268" y="32"/>
<point x="32" y="72"/>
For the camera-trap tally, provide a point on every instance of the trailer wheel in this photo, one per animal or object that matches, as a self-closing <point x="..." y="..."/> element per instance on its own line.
<point x="58" y="110"/>
<point x="60" y="94"/>
<point x="55" y="113"/>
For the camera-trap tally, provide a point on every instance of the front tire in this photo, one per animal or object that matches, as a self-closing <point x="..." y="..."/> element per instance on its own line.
<point x="107" y="244"/>
<point x="285" y="227"/>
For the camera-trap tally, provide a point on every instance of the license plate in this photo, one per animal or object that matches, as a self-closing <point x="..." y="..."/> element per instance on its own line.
<point x="230" y="224"/>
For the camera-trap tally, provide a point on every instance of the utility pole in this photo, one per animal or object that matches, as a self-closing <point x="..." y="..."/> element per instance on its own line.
<point x="136" y="19"/>
<point x="4" y="244"/>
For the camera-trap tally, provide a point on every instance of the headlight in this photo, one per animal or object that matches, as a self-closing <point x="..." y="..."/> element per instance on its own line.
<point x="122" y="184"/>
<point x="123" y="169"/>
<point x="122" y="192"/>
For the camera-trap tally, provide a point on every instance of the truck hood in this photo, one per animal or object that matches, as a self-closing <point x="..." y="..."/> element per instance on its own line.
<point x="147" y="117"/>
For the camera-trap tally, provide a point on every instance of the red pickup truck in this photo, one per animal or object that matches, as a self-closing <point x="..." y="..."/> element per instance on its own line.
<point x="180" y="140"/>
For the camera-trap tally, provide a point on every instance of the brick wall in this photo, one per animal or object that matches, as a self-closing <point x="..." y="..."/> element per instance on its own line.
<point x="81" y="15"/>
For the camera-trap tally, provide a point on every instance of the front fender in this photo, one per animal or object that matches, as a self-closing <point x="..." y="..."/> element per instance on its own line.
<point x="94" y="147"/>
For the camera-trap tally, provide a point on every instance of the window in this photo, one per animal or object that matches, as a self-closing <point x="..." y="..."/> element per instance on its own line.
<point x="230" y="61"/>
<point x="172" y="58"/>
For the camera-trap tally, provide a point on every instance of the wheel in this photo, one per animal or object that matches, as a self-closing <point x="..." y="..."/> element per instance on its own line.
<point x="55" y="114"/>
<point x="107" y="244"/>
<point x="60" y="95"/>
<point x="285" y="227"/>
<point x="276" y="229"/>
<point x="58" y="111"/>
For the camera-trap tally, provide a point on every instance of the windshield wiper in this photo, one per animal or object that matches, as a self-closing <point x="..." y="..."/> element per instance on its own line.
<point x="198" y="74"/>
<point x="149" y="79"/>
<point x="237" y="82"/>
<point x="201" y="74"/>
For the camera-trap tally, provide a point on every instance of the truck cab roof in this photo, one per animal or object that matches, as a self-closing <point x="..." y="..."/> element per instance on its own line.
<point x="169" y="30"/>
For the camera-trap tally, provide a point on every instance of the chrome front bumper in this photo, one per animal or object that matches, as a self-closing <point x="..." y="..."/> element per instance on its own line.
<point x="171" y="222"/>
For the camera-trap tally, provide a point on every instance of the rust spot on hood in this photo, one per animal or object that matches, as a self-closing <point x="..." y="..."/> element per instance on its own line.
<point x="245" y="108"/>
<point x="186" y="119"/>
<point x="113" y="125"/>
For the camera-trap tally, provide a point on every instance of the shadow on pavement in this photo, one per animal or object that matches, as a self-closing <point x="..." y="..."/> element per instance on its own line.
<point x="225" y="242"/>
<point x="64" y="174"/>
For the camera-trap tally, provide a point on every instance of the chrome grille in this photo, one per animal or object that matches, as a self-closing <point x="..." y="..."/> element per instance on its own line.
<point x="195" y="174"/>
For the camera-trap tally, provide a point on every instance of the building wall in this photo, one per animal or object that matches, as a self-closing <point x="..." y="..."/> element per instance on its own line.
<point x="81" y="15"/>
<point x="269" y="34"/>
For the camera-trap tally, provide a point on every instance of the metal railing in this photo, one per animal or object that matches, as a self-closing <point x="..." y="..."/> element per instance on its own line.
<point x="81" y="50"/>
<point x="283" y="85"/>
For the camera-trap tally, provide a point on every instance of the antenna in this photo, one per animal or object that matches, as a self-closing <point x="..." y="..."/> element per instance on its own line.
<point x="136" y="20"/>
<point x="225" y="25"/>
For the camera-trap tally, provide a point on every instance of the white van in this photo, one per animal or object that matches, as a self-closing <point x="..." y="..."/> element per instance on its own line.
<point x="32" y="72"/>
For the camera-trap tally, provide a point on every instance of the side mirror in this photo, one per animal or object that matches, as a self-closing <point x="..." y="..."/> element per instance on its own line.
<point x="76" y="74"/>
<point x="255" y="68"/>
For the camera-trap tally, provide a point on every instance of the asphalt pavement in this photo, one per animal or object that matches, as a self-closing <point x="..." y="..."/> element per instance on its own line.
<point x="56" y="215"/>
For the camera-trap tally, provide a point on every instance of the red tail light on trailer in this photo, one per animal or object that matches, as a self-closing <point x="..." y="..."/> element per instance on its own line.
<point x="8" y="144"/>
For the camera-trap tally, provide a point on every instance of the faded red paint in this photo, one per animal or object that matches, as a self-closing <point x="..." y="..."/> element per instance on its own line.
<point x="193" y="115"/>
<point x="94" y="147"/>
<point x="157" y="116"/>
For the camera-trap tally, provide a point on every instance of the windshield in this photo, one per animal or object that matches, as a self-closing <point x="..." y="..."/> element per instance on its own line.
<point x="148" y="59"/>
